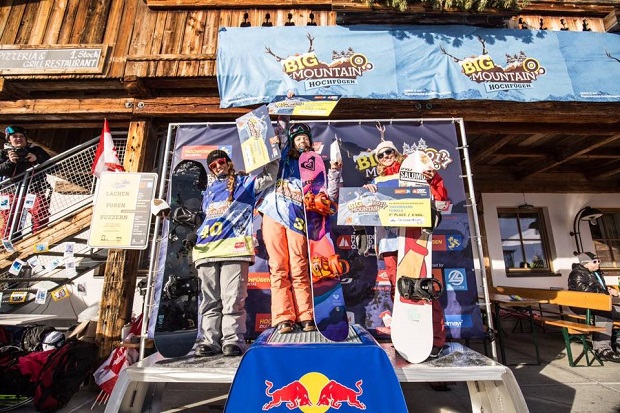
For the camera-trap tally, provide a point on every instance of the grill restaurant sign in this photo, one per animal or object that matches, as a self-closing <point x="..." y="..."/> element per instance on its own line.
<point x="51" y="59"/>
<point x="416" y="63"/>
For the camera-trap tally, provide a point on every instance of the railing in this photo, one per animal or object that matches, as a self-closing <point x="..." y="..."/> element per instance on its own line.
<point x="48" y="192"/>
<point x="45" y="194"/>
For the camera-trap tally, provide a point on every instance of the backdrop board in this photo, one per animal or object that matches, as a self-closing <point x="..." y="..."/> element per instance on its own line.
<point x="366" y="286"/>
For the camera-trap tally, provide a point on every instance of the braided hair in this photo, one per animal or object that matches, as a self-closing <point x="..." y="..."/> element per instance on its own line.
<point x="232" y="181"/>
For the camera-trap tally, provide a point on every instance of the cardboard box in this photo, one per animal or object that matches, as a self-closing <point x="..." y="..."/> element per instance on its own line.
<point x="85" y="331"/>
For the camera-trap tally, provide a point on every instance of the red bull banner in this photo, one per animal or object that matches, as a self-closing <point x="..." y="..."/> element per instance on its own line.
<point x="366" y="289"/>
<point x="316" y="378"/>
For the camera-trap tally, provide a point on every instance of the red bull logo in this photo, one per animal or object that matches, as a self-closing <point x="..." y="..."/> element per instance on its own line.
<point x="293" y="395"/>
<point x="314" y="392"/>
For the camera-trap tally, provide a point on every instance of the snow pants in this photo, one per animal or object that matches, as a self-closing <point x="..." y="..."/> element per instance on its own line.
<point x="291" y="297"/>
<point x="224" y="288"/>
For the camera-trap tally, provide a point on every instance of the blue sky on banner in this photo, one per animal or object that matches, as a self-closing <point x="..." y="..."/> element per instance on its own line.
<point x="417" y="63"/>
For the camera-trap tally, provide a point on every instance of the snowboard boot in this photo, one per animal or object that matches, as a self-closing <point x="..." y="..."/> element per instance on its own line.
<point x="231" y="350"/>
<point x="308" y="325"/>
<point x="285" y="327"/>
<point x="204" y="350"/>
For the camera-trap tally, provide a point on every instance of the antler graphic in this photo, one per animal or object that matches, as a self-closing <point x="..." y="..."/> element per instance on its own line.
<point x="381" y="129"/>
<point x="484" y="46"/>
<point x="278" y="58"/>
<point x="611" y="57"/>
<point x="311" y="48"/>
<point x="456" y="59"/>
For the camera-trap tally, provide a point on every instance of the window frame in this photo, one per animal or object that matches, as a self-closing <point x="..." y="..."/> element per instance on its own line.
<point x="544" y="238"/>
<point x="607" y="242"/>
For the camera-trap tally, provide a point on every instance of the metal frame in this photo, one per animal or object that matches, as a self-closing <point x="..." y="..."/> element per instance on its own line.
<point x="155" y="245"/>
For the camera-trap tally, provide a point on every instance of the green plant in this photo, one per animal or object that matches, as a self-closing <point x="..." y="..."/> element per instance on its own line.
<point x="477" y="5"/>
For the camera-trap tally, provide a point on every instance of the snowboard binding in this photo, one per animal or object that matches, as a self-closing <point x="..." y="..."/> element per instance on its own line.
<point x="419" y="288"/>
<point x="331" y="267"/>
<point x="177" y="286"/>
<point x="360" y="236"/>
<point x="319" y="203"/>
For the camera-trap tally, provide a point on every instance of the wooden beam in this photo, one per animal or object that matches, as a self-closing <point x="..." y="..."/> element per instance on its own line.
<point x="612" y="21"/>
<point x="603" y="172"/>
<point x="496" y="179"/>
<point x="491" y="148"/>
<point x="562" y="158"/>
<point x="137" y="88"/>
<point x="119" y="279"/>
<point x="538" y="127"/>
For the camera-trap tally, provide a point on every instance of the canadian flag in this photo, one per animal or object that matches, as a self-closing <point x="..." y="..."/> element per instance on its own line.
<point x="105" y="157"/>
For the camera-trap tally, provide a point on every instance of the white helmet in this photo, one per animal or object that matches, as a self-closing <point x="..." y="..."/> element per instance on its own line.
<point x="53" y="340"/>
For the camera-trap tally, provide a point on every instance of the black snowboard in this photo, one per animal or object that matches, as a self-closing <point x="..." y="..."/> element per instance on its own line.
<point x="176" y="326"/>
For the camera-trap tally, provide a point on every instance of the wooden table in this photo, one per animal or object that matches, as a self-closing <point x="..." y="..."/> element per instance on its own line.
<point x="23" y="319"/>
<point x="526" y="303"/>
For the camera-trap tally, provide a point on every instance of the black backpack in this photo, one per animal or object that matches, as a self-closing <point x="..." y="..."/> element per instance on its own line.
<point x="63" y="374"/>
<point x="11" y="379"/>
<point x="33" y="336"/>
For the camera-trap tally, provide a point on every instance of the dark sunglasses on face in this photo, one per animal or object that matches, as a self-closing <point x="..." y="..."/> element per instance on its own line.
<point x="385" y="153"/>
<point x="219" y="161"/>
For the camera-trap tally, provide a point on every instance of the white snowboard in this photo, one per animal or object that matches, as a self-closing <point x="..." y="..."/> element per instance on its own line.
<point x="412" y="321"/>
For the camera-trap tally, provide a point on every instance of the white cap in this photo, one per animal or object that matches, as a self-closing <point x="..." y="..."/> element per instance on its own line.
<point x="384" y="145"/>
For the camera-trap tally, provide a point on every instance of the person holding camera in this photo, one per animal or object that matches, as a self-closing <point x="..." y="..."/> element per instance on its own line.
<point x="18" y="156"/>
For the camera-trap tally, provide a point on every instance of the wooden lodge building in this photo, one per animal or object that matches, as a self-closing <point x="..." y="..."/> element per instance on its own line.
<point x="542" y="161"/>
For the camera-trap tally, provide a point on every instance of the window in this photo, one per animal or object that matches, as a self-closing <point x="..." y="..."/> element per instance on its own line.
<point x="524" y="243"/>
<point x="606" y="236"/>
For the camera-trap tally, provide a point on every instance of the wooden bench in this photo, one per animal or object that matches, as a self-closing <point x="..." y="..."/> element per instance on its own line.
<point x="571" y="330"/>
<point x="582" y="318"/>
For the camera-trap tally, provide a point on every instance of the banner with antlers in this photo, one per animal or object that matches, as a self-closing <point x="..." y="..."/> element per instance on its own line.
<point x="417" y="63"/>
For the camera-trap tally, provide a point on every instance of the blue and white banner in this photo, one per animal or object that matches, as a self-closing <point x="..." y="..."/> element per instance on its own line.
<point x="417" y="63"/>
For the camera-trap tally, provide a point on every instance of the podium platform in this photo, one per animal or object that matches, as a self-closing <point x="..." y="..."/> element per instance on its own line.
<point x="492" y="386"/>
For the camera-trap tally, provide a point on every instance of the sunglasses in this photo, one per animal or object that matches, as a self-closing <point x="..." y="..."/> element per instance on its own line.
<point x="385" y="153"/>
<point x="218" y="162"/>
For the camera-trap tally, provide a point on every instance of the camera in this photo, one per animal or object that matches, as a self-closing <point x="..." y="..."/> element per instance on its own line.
<point x="22" y="153"/>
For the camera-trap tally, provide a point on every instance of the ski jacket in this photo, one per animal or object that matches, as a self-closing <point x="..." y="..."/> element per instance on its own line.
<point x="9" y="169"/>
<point x="283" y="202"/>
<point x="227" y="230"/>
<point x="582" y="279"/>
<point x="387" y="237"/>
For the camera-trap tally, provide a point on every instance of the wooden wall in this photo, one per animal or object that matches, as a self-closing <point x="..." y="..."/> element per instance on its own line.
<point x="143" y="42"/>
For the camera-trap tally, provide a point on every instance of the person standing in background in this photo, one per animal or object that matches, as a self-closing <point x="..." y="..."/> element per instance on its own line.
<point x="18" y="156"/>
